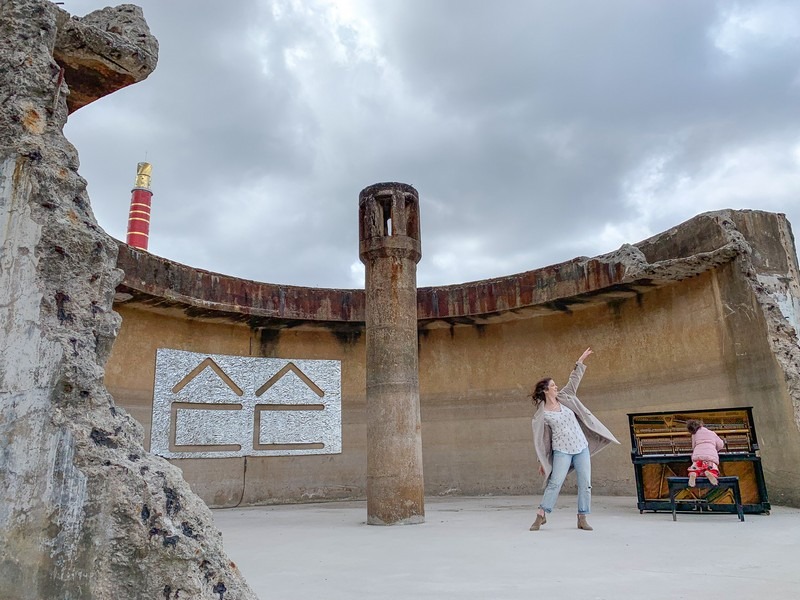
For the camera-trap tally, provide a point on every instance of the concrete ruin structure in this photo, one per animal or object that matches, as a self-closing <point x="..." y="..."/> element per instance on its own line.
<point x="703" y="316"/>
<point x="85" y="511"/>
<point x="390" y="248"/>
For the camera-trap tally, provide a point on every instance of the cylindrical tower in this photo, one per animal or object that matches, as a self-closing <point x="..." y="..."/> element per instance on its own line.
<point x="139" y="214"/>
<point x="389" y="247"/>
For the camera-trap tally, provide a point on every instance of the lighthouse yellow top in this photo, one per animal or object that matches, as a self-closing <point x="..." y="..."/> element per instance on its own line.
<point x="143" y="170"/>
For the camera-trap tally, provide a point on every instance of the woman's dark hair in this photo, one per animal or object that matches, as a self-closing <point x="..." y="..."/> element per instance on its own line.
<point x="538" y="390"/>
<point x="693" y="425"/>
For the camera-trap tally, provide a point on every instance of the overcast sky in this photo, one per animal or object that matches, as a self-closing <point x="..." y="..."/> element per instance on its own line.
<point x="534" y="131"/>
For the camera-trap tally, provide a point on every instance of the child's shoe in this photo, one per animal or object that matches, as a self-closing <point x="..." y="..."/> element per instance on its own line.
<point x="692" y="477"/>
<point x="712" y="477"/>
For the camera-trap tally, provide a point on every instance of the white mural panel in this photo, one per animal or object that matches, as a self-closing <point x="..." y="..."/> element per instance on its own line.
<point x="216" y="406"/>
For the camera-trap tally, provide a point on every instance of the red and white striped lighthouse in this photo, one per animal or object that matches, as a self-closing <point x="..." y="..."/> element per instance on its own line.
<point x="139" y="215"/>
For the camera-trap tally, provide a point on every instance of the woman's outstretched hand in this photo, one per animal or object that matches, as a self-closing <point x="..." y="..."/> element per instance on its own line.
<point x="585" y="355"/>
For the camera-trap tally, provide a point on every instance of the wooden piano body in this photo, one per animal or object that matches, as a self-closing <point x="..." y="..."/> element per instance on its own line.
<point x="661" y="447"/>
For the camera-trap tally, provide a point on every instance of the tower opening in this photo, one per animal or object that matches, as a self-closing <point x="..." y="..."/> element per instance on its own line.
<point x="386" y="209"/>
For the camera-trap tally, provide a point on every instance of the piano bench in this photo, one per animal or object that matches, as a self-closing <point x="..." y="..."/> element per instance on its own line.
<point x="677" y="484"/>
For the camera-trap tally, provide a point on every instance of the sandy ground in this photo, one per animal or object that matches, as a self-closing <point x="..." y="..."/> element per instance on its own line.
<point x="480" y="548"/>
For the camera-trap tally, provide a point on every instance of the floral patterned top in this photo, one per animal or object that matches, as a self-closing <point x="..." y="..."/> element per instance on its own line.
<point x="567" y="435"/>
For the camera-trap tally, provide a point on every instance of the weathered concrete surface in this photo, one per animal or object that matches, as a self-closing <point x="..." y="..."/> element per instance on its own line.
<point x="479" y="548"/>
<point x="700" y="316"/>
<point x="163" y="285"/>
<point x="390" y="248"/>
<point x="85" y="512"/>
<point x="159" y="283"/>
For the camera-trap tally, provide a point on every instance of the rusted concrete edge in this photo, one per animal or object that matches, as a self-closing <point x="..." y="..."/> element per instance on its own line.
<point x="160" y="283"/>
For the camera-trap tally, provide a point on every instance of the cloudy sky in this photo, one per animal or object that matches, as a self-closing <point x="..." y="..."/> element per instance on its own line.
<point x="534" y="131"/>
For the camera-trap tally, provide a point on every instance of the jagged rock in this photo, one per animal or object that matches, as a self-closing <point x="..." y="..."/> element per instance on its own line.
<point x="104" y="51"/>
<point x="85" y="512"/>
<point x="630" y="257"/>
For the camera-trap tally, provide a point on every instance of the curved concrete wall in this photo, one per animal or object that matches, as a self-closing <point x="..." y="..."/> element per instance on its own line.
<point x="702" y="316"/>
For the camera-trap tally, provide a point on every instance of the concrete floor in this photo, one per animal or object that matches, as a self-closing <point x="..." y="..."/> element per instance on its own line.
<point x="480" y="548"/>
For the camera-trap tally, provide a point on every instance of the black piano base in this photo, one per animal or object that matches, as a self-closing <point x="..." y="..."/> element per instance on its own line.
<point x="677" y="484"/>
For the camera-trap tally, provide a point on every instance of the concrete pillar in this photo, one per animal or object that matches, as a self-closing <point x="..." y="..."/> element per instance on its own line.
<point x="389" y="247"/>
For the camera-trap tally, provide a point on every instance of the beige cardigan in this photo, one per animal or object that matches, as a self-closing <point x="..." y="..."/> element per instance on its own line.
<point x="596" y="433"/>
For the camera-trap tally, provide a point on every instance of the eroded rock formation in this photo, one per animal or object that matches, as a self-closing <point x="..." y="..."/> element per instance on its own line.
<point x="104" y="51"/>
<point x="85" y="512"/>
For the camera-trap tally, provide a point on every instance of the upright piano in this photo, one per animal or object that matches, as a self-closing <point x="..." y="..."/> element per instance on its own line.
<point x="661" y="447"/>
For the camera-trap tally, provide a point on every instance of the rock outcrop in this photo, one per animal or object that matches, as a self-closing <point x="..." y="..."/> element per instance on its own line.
<point x="85" y="512"/>
<point x="104" y="51"/>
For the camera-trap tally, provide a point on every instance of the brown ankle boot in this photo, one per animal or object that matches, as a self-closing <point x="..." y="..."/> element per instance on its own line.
<point x="540" y="520"/>
<point x="583" y="524"/>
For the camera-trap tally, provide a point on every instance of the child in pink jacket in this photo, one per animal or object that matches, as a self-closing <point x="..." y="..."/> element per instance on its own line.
<point x="705" y="452"/>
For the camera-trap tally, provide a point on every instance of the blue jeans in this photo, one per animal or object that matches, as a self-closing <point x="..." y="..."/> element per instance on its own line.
<point x="583" y="469"/>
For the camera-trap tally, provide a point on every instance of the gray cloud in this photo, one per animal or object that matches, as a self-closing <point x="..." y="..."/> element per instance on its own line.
<point x="534" y="132"/>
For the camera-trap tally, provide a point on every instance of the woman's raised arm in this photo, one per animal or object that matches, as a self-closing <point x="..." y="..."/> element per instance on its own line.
<point x="585" y="355"/>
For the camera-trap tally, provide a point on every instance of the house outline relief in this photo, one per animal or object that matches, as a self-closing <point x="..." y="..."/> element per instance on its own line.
<point x="219" y="406"/>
